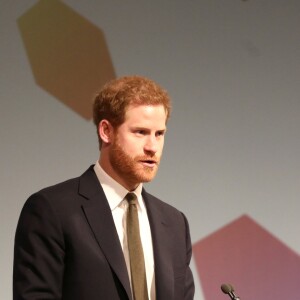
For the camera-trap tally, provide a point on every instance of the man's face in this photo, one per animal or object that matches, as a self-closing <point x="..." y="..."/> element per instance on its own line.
<point x="137" y="145"/>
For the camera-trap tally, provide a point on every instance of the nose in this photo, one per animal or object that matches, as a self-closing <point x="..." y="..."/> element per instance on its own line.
<point x="151" y="145"/>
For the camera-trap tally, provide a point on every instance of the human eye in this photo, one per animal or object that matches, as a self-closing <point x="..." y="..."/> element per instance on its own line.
<point x="160" y="133"/>
<point x="140" y="132"/>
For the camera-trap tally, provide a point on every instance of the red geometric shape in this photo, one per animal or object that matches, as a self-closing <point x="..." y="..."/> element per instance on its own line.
<point x="68" y="54"/>
<point x="250" y="258"/>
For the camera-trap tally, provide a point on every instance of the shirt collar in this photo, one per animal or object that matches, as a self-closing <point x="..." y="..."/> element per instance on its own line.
<point x="115" y="192"/>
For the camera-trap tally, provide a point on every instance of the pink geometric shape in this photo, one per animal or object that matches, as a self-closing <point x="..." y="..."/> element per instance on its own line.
<point x="250" y="258"/>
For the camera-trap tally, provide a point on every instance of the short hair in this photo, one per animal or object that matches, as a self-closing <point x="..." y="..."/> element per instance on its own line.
<point x="112" y="101"/>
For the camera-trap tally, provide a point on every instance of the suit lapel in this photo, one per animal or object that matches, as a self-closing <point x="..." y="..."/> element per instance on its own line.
<point x="164" y="280"/>
<point x="98" y="214"/>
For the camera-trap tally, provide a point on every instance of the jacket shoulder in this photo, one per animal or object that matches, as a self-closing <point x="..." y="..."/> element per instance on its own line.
<point x="62" y="193"/>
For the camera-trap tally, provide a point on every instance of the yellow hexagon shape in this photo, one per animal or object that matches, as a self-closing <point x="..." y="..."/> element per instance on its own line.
<point x="68" y="54"/>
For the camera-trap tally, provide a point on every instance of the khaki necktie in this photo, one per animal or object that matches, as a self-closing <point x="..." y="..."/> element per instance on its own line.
<point x="136" y="255"/>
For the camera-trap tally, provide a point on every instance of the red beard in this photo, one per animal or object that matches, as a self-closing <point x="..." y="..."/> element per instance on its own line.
<point x="130" y="168"/>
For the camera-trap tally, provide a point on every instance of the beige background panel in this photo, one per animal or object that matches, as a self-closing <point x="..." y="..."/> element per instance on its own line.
<point x="68" y="54"/>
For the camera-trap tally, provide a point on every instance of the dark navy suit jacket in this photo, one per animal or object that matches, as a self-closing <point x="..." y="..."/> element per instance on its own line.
<point x="67" y="246"/>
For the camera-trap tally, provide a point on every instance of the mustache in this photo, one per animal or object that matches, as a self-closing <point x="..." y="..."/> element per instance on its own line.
<point x="147" y="158"/>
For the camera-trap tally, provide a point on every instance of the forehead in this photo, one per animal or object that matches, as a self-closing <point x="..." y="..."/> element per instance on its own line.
<point x="146" y="114"/>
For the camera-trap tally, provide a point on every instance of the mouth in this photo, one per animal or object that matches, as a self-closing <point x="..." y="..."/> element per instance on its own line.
<point x="150" y="163"/>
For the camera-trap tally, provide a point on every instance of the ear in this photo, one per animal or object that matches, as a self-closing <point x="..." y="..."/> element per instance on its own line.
<point x="105" y="131"/>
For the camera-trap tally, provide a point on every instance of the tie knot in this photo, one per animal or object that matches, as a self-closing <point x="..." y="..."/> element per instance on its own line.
<point x="131" y="198"/>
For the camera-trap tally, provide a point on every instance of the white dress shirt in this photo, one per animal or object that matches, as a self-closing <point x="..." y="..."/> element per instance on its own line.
<point x="115" y="194"/>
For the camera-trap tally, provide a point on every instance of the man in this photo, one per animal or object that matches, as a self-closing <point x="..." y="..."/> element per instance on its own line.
<point x="75" y="240"/>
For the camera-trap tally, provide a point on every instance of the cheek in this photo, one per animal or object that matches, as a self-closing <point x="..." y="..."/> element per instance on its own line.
<point x="161" y="145"/>
<point x="132" y="147"/>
